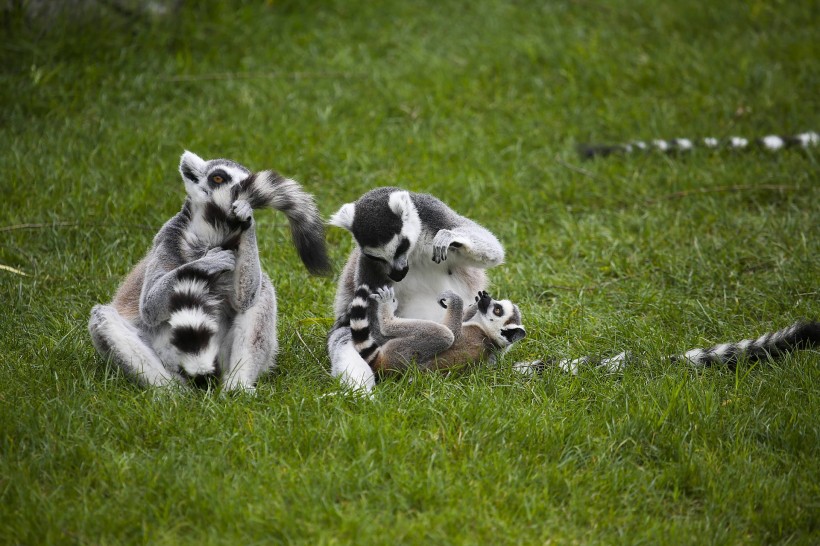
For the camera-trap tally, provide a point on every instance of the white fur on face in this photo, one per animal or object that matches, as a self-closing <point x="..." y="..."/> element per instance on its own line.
<point x="387" y="251"/>
<point x="493" y="325"/>
<point x="191" y="165"/>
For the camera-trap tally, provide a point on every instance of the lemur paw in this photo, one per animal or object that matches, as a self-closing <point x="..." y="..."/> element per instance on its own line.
<point x="442" y="242"/>
<point x="483" y="295"/>
<point x="384" y="294"/>
<point x="243" y="212"/>
<point x="217" y="260"/>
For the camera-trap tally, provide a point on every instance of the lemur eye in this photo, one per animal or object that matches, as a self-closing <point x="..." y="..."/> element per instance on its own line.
<point x="498" y="310"/>
<point x="219" y="177"/>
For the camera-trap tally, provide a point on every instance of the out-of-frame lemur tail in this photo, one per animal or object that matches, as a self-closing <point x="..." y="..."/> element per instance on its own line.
<point x="800" y="335"/>
<point x="270" y="189"/>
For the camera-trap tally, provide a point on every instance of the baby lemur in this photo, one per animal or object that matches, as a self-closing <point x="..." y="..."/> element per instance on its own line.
<point x="482" y="332"/>
<point x="199" y="303"/>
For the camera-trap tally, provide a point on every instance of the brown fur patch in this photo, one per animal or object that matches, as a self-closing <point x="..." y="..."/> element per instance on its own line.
<point x="127" y="299"/>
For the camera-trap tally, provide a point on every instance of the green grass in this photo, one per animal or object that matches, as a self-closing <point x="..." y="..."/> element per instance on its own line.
<point x="482" y="105"/>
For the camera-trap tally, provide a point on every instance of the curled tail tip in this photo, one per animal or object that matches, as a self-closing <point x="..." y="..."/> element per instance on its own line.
<point x="312" y="251"/>
<point x="808" y="332"/>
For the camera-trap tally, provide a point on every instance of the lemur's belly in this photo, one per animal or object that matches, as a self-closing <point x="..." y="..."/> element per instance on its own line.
<point x="418" y="293"/>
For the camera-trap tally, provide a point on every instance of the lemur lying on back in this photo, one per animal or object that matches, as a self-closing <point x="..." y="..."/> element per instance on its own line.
<point x="199" y="303"/>
<point x="420" y="244"/>
<point x="482" y="332"/>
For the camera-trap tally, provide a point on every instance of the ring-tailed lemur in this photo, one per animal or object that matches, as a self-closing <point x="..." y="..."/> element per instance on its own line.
<point x="420" y="244"/>
<point x="800" y="335"/>
<point x="199" y="302"/>
<point x="676" y="145"/>
<point x="482" y="332"/>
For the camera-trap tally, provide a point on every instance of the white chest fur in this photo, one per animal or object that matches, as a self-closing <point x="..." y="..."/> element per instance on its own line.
<point x="418" y="293"/>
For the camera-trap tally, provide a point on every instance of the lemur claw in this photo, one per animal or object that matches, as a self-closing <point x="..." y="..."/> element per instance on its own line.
<point x="442" y="242"/>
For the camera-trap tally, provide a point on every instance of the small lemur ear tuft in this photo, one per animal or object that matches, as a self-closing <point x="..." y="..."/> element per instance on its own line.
<point x="344" y="217"/>
<point x="513" y="333"/>
<point x="191" y="166"/>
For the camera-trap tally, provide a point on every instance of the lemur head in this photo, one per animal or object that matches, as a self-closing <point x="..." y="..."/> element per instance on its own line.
<point x="213" y="180"/>
<point x="501" y="319"/>
<point x="386" y="226"/>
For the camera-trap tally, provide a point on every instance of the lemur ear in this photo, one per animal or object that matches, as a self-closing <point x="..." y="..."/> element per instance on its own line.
<point x="344" y="217"/>
<point x="402" y="205"/>
<point x="191" y="166"/>
<point x="513" y="333"/>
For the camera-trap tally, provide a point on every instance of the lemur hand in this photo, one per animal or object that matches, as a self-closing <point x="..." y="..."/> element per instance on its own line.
<point x="243" y="212"/>
<point x="385" y="295"/>
<point x="216" y="261"/>
<point x="443" y="240"/>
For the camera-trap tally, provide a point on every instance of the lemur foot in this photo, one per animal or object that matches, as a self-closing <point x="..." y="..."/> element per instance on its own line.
<point x="217" y="260"/>
<point x="446" y="298"/>
<point x="483" y="295"/>
<point x="442" y="242"/>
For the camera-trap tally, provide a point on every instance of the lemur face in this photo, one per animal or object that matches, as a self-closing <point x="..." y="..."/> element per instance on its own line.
<point x="211" y="180"/>
<point x="500" y="318"/>
<point x="386" y="226"/>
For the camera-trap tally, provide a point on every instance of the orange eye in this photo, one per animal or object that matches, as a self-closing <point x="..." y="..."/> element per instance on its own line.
<point x="497" y="310"/>
<point x="218" y="179"/>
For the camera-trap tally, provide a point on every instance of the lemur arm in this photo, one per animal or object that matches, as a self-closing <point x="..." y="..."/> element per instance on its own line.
<point x="469" y="244"/>
<point x="470" y="312"/>
<point x="247" y="276"/>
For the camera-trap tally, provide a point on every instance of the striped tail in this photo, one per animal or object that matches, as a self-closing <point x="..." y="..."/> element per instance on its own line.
<point x="193" y="324"/>
<point x="363" y="341"/>
<point x="801" y="335"/>
<point x="678" y="145"/>
<point x="270" y="189"/>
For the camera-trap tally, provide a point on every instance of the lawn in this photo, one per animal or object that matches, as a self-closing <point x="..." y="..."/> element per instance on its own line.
<point x="481" y="104"/>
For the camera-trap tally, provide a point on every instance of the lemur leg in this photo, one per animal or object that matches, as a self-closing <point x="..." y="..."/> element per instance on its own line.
<point x="410" y="339"/>
<point x="470" y="245"/>
<point x="346" y="364"/>
<point x="117" y="339"/>
<point x="253" y="342"/>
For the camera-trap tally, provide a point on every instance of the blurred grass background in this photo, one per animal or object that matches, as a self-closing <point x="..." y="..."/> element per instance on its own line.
<point x="481" y="104"/>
